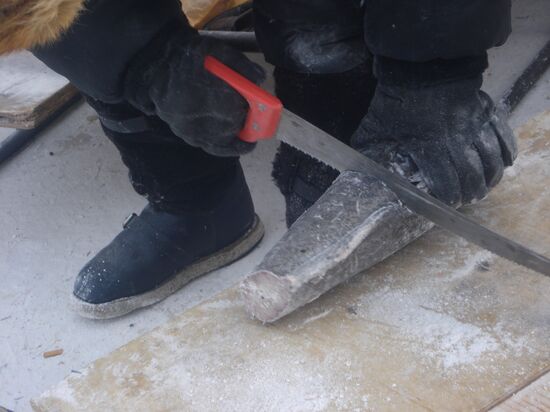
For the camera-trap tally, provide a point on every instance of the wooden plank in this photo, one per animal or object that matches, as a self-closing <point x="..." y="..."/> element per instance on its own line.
<point x="29" y="91"/>
<point x="441" y="325"/>
<point x="533" y="398"/>
<point x="200" y="12"/>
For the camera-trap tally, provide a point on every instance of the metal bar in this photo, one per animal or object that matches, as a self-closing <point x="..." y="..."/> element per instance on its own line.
<point x="21" y="138"/>
<point x="528" y="78"/>
<point x="245" y="41"/>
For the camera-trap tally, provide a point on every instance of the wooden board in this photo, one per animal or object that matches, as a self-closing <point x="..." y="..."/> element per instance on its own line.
<point x="534" y="397"/>
<point x="200" y="12"/>
<point x="441" y="325"/>
<point x="29" y="91"/>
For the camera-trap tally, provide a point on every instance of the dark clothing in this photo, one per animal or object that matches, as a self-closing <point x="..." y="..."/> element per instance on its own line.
<point x="421" y="46"/>
<point x="171" y="174"/>
<point x="447" y="136"/>
<point x="144" y="68"/>
<point x="421" y="41"/>
<point x="95" y="52"/>
<point x="423" y="30"/>
<point x="311" y="36"/>
<point x="322" y="35"/>
<point x="145" y="53"/>
<point x="302" y="179"/>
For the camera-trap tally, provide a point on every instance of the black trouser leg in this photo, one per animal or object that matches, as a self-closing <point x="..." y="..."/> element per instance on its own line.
<point x="335" y="103"/>
<point x="433" y="41"/>
<point x="173" y="175"/>
<point x="424" y="30"/>
<point x="323" y="74"/>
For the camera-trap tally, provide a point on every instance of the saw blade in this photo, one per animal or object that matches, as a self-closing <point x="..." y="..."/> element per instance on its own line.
<point x="311" y="140"/>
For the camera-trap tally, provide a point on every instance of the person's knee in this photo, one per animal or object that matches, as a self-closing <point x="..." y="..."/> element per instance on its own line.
<point x="435" y="29"/>
<point x="327" y="38"/>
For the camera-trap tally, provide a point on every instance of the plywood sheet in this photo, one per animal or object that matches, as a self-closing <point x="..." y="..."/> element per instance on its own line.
<point x="29" y="91"/>
<point x="535" y="397"/>
<point x="200" y="12"/>
<point x="442" y="325"/>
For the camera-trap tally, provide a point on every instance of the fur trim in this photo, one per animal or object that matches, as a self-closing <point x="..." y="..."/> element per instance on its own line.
<point x="28" y="23"/>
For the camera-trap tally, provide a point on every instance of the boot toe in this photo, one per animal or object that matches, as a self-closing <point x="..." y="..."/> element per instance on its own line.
<point x="134" y="263"/>
<point x="98" y="283"/>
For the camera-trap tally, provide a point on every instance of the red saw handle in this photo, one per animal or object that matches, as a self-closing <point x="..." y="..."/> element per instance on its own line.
<point x="265" y="109"/>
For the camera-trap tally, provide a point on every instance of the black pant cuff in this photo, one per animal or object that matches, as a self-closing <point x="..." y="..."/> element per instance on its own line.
<point x="420" y="74"/>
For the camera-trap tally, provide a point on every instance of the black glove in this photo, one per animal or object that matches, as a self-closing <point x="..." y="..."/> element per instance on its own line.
<point x="447" y="135"/>
<point x="146" y="53"/>
<point x="168" y="79"/>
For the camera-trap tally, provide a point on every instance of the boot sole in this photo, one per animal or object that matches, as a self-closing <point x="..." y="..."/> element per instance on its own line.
<point x="222" y="258"/>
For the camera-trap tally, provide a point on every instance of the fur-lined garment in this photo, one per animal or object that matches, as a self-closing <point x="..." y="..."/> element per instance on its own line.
<point x="28" y="23"/>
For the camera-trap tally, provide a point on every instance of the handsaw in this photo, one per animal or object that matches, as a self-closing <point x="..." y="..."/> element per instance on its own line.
<point x="267" y="118"/>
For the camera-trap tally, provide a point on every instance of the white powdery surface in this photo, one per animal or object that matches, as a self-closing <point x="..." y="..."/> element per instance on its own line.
<point x="452" y="342"/>
<point x="258" y="380"/>
<point x="26" y="81"/>
<point x="436" y="335"/>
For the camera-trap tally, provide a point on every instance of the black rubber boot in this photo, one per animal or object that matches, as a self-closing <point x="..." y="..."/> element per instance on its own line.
<point x="200" y="217"/>
<point x="335" y="103"/>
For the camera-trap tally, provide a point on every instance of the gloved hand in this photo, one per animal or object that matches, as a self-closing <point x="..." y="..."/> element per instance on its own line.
<point x="146" y="53"/>
<point x="448" y="136"/>
<point x="168" y="79"/>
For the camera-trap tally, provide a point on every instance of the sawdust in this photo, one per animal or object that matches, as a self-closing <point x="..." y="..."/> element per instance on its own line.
<point x="25" y="81"/>
<point x="436" y="335"/>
